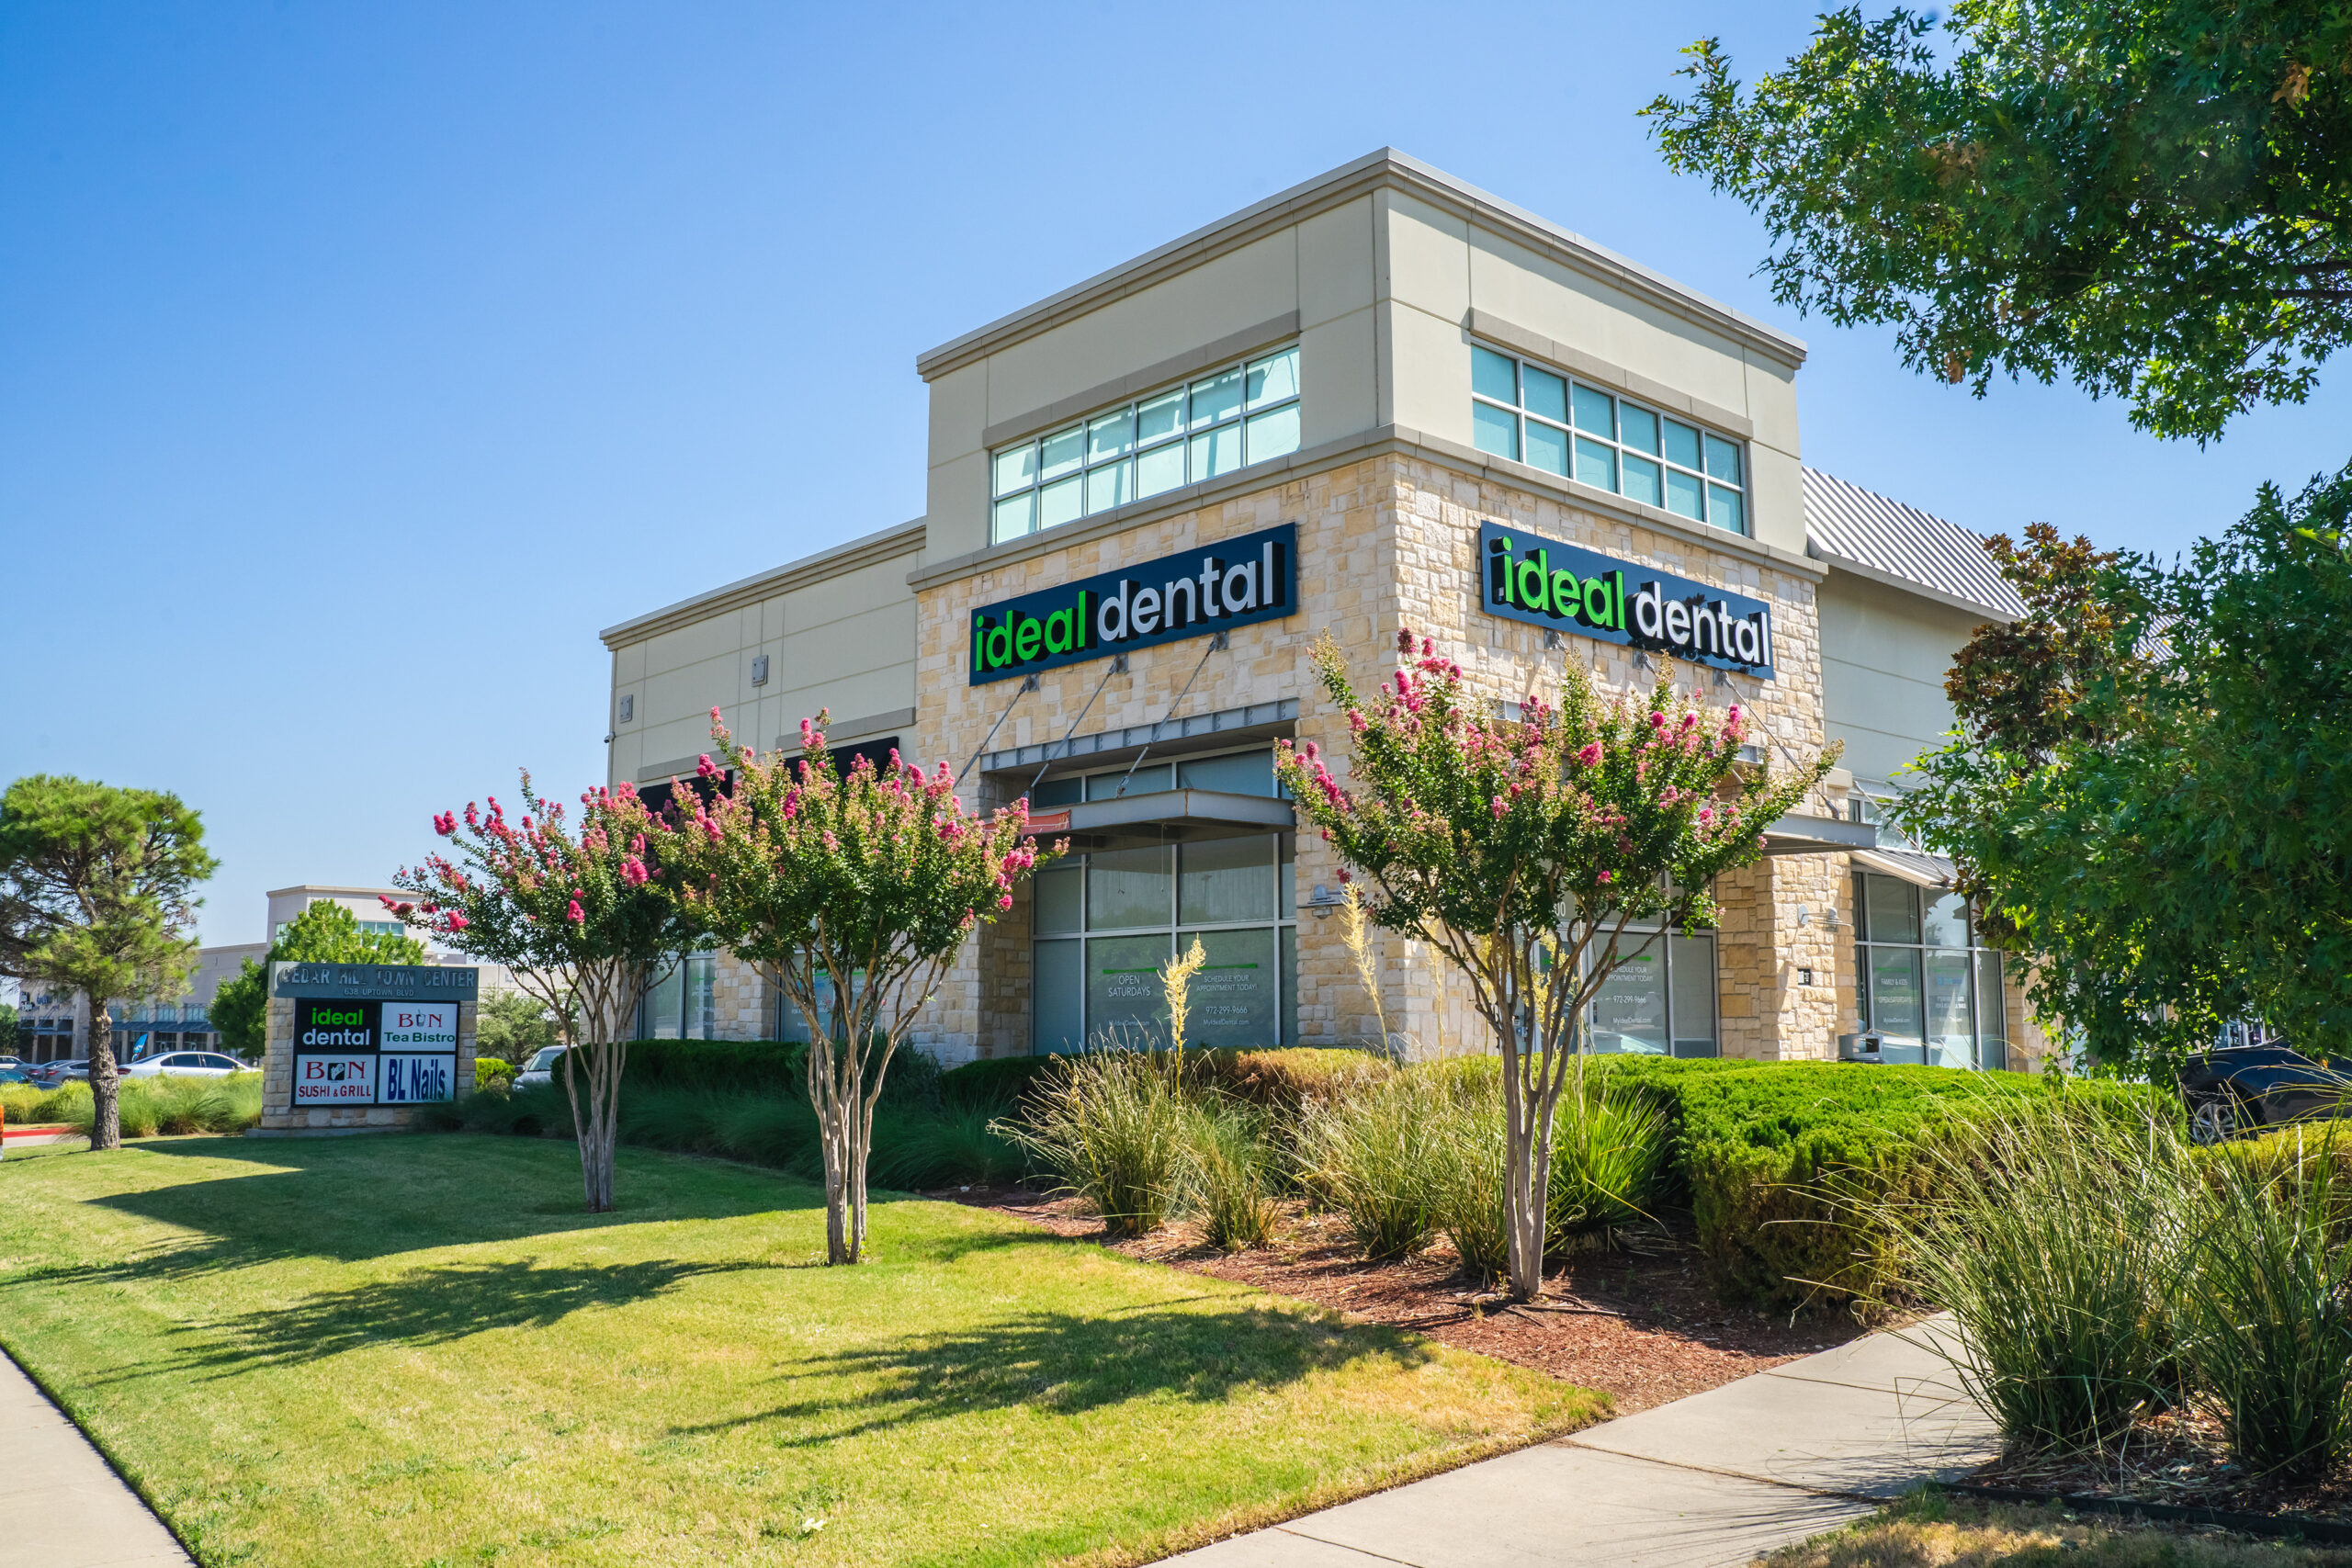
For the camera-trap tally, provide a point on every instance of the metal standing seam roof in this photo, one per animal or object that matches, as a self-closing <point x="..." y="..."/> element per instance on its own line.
<point x="1859" y="527"/>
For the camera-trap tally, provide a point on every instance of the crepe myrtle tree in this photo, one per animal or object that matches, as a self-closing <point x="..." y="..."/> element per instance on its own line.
<point x="576" y="915"/>
<point x="857" y="891"/>
<point x="1526" y="849"/>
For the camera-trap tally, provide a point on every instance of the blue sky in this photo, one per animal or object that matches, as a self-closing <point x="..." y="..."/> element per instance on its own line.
<point x="359" y="362"/>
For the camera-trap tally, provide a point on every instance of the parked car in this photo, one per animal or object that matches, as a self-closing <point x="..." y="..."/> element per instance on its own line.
<point x="539" y="1071"/>
<point x="2247" y="1088"/>
<point x="48" y="1075"/>
<point x="12" y="1073"/>
<point x="184" y="1065"/>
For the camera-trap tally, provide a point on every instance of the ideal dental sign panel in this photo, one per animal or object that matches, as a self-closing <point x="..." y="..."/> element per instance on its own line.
<point x="1234" y="583"/>
<point x="1565" y="588"/>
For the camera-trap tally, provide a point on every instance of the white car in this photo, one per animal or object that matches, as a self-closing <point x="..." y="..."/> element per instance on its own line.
<point x="539" y="1071"/>
<point x="184" y="1065"/>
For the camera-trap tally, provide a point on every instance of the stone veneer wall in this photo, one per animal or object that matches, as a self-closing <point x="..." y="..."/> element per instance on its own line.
<point x="278" y="1079"/>
<point x="1387" y="540"/>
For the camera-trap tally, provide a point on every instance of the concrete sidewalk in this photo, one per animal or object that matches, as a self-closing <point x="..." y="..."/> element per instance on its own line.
<point x="64" y="1505"/>
<point x="1714" y="1479"/>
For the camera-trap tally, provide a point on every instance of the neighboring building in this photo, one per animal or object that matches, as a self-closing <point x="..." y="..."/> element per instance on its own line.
<point x="56" y="1026"/>
<point x="1380" y="397"/>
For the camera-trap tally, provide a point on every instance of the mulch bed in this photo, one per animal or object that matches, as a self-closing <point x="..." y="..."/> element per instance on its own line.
<point x="2174" y="1460"/>
<point x="1637" y="1318"/>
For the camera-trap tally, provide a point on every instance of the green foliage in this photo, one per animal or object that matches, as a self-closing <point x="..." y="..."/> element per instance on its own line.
<point x="514" y="1027"/>
<point x="97" y="896"/>
<point x="148" y="1107"/>
<point x="1233" y="1160"/>
<point x="2151" y="197"/>
<point x="1522" y="848"/>
<point x="322" y="933"/>
<point x="751" y="1066"/>
<point x="1369" y="1155"/>
<point x="9" y="1035"/>
<point x="492" y="1073"/>
<point x="875" y="879"/>
<point x="2056" y="1239"/>
<point x="2161" y="834"/>
<point x="996" y="1085"/>
<point x="2267" y="1312"/>
<point x="1113" y="1128"/>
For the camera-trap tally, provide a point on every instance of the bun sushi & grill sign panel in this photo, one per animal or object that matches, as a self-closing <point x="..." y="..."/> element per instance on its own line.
<point x="373" y="1034"/>
<point x="1565" y="588"/>
<point x="1232" y="584"/>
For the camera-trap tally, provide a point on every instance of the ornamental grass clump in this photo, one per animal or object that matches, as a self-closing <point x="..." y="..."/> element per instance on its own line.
<point x="1113" y="1127"/>
<point x="2266" y="1314"/>
<point x="2058" y="1239"/>
<point x="1610" y="1152"/>
<point x="1233" y="1168"/>
<point x="1371" y="1156"/>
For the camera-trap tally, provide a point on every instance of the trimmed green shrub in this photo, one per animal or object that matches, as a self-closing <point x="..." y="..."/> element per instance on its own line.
<point x="996" y="1085"/>
<point x="772" y="1066"/>
<point x="1286" y="1079"/>
<point x="490" y="1071"/>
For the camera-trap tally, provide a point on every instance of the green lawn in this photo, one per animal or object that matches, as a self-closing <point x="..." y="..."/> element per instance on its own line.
<point x="417" y="1350"/>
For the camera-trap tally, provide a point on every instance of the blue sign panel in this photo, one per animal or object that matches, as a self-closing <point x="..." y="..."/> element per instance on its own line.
<point x="1570" y="589"/>
<point x="1231" y="583"/>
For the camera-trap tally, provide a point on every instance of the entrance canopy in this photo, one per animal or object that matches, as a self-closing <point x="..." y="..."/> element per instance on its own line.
<point x="1164" y="816"/>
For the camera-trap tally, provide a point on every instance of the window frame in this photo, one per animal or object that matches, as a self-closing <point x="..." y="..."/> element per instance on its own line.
<point x="1978" y="956"/>
<point x="1573" y="438"/>
<point x="1175" y="928"/>
<point x="1187" y="439"/>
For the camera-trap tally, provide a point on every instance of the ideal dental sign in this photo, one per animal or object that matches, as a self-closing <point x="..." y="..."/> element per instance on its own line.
<point x="1563" y="588"/>
<point x="1232" y="584"/>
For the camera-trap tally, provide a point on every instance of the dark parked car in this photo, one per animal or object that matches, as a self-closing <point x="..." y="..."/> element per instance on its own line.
<point x="2247" y="1088"/>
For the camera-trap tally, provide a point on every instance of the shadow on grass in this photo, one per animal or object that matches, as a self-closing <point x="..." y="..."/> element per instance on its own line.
<point x="1202" y="1350"/>
<point x="436" y="1305"/>
<point x="352" y="1200"/>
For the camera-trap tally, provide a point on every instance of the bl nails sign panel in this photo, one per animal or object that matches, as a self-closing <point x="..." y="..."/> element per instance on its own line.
<point x="350" y="1051"/>
<point x="1232" y="584"/>
<point x="1547" y="583"/>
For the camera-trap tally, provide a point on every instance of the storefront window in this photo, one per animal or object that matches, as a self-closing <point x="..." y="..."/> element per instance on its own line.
<point x="1103" y="924"/>
<point x="1521" y="410"/>
<point x="1926" y="983"/>
<point x="682" y="1001"/>
<point x="1226" y="419"/>
<point x="1661" y="1000"/>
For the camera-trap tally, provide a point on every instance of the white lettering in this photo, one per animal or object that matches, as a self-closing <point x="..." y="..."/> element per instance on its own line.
<point x="1649" y="610"/>
<point x="1144" y="611"/>
<point x="1247" y="599"/>
<point x="1747" y="638"/>
<point x="1105" y="627"/>
<point x="1678" y="624"/>
<point x="1210" y="569"/>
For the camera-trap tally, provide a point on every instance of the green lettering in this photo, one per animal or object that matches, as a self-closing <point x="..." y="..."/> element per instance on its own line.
<point x="1532" y="583"/>
<point x="1026" y="640"/>
<point x="1057" y="638"/>
<point x="999" y="646"/>
<point x="1596" y="600"/>
<point x="1616" y="621"/>
<point x="1565" y="594"/>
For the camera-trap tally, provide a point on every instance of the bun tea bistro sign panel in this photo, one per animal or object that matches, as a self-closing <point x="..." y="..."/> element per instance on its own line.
<point x="372" y="1034"/>
<point x="1567" y="588"/>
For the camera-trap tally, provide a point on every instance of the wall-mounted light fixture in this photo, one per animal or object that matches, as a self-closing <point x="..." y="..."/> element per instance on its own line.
<point x="1828" y="916"/>
<point x="759" y="669"/>
<point x="1324" y="901"/>
<point x="628" y="708"/>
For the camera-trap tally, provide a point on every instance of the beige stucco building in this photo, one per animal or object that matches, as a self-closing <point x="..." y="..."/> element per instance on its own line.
<point x="1379" y="398"/>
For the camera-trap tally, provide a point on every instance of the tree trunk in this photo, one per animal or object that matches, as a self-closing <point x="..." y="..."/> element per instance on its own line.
<point x="599" y="1128"/>
<point x="106" y="1083"/>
